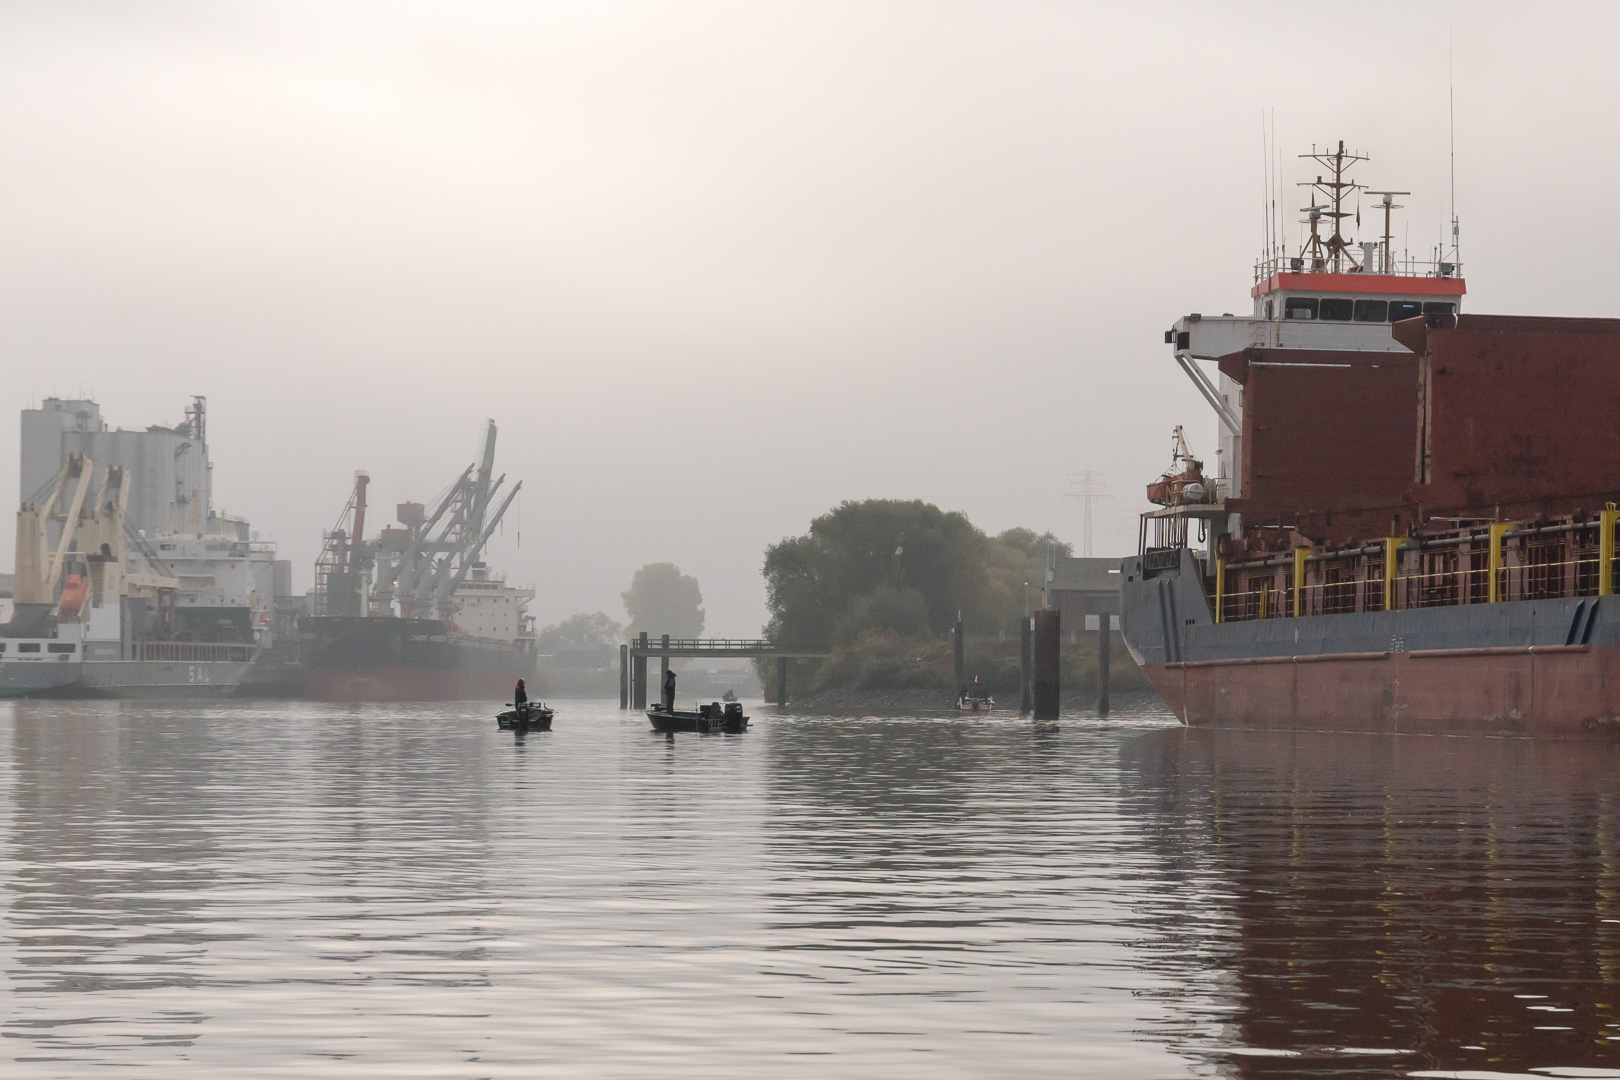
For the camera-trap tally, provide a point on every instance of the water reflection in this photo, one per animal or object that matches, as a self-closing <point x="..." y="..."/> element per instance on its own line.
<point x="156" y="857"/>
<point x="1452" y="902"/>
<point x="965" y="888"/>
<point x="277" y="888"/>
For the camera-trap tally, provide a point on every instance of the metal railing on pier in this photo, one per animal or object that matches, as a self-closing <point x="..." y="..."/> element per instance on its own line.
<point x="662" y="646"/>
<point x="633" y="659"/>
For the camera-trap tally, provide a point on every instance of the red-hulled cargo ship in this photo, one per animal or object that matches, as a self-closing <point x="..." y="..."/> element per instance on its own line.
<point x="1412" y="523"/>
<point x="414" y="614"/>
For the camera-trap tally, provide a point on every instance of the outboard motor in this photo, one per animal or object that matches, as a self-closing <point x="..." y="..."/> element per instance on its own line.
<point x="734" y="710"/>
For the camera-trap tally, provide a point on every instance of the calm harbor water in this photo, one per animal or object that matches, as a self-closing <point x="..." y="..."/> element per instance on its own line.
<point x="269" y="889"/>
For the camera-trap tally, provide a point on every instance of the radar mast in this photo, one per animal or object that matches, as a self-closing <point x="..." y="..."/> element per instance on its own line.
<point x="1332" y="254"/>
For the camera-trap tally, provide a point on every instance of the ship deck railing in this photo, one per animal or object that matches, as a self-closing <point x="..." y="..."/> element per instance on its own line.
<point x="1504" y="563"/>
<point x="1408" y="266"/>
<point x="192" y="652"/>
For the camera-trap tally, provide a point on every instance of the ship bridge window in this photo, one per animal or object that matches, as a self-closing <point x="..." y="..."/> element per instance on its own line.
<point x="28" y="646"/>
<point x="1438" y="307"/>
<point x="1334" y="307"/>
<point x="1299" y="307"/>
<point x="1404" y="309"/>
<point x="56" y="648"/>
<point x="1372" y="311"/>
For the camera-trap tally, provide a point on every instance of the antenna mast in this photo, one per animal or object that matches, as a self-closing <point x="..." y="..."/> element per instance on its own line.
<point x="1387" y="205"/>
<point x="1451" y="95"/>
<point x="1332" y="254"/>
<point x="1265" y="191"/>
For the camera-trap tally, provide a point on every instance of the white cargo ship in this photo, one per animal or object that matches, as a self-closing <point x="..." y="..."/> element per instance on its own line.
<point x="128" y="581"/>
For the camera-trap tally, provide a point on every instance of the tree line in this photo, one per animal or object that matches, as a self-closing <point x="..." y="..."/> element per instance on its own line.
<point x="879" y="583"/>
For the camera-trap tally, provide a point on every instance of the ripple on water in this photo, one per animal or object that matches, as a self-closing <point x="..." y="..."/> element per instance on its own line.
<point x="276" y="889"/>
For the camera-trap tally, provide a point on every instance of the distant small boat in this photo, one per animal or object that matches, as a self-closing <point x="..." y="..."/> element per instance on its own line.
<point x="535" y="717"/>
<point x="714" y="717"/>
<point x="976" y="700"/>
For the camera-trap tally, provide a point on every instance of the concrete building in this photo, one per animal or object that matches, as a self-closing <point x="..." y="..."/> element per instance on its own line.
<point x="1083" y="589"/>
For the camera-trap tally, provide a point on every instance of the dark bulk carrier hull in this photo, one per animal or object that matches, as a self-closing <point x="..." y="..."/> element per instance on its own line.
<point x="356" y="658"/>
<point x="1412" y="525"/>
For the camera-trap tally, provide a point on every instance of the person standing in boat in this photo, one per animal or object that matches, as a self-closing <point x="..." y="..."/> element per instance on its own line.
<point x="669" y="690"/>
<point x="520" y="698"/>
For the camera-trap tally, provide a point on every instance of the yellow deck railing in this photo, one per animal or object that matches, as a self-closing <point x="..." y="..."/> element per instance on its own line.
<point x="1285" y="589"/>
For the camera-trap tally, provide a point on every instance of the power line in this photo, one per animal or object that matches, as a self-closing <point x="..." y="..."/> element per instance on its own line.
<point x="1087" y="485"/>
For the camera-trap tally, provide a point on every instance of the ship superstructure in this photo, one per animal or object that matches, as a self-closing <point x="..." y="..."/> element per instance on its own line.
<point x="128" y="581"/>
<point x="1412" y="521"/>
<point x="1312" y="307"/>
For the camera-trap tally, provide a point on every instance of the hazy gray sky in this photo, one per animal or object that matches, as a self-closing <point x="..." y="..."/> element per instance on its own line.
<point x="715" y="267"/>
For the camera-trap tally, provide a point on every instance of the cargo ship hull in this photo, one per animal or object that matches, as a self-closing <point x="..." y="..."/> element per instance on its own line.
<point x="1548" y="668"/>
<point x="177" y="671"/>
<point x="354" y="658"/>
<point x="38" y="679"/>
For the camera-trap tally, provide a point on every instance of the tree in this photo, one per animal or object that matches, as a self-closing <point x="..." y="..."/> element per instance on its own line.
<point x="662" y="600"/>
<point x="582" y="629"/>
<point x="1033" y="545"/>
<point x="1018" y="556"/>
<point x="878" y="585"/>
<point x="902" y="612"/>
<point x="831" y="576"/>
<point x="880" y="582"/>
<point x="905" y="567"/>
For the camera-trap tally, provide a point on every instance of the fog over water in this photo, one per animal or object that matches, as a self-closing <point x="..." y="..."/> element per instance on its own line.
<point x="716" y="267"/>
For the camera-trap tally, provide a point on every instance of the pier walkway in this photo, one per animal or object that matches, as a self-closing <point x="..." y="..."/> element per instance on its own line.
<point x="633" y="660"/>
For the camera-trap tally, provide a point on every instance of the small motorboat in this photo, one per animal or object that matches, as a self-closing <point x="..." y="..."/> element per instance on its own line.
<point x="533" y="716"/>
<point x="713" y="717"/>
<point x="975" y="698"/>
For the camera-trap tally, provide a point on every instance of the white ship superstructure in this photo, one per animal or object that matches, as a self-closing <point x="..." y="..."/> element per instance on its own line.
<point x="488" y="607"/>
<point x="127" y="579"/>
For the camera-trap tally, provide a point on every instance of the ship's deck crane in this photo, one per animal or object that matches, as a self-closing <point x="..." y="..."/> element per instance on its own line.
<point x="430" y="565"/>
<point x="343" y="554"/>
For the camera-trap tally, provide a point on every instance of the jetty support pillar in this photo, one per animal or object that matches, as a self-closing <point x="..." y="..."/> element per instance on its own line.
<point x="1105" y="631"/>
<point x="1047" y="631"/>
<point x="624" y="676"/>
<point x="781" y="682"/>
<point x="1026" y="630"/>
<point x="638" y="674"/>
<point x="663" y="667"/>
